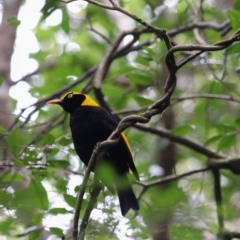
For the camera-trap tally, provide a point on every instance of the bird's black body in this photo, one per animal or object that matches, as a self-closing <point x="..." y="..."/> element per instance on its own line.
<point x="91" y="124"/>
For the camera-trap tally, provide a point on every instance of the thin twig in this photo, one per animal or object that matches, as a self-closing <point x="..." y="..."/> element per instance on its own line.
<point x="167" y="179"/>
<point x="200" y="25"/>
<point x="206" y="96"/>
<point x="90" y="168"/>
<point x="184" y="141"/>
<point x="43" y="131"/>
<point x="97" y="187"/>
<point x="203" y="48"/>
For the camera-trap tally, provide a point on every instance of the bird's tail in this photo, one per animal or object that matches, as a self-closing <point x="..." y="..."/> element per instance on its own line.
<point x="127" y="198"/>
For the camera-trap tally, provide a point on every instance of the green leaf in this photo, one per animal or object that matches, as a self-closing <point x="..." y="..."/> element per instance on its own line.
<point x="225" y="128"/>
<point x="181" y="130"/>
<point x="143" y="101"/>
<point x="37" y="219"/>
<point x="6" y="198"/>
<point x="234" y="17"/>
<point x="65" y="141"/>
<point x="150" y="51"/>
<point x="18" y="139"/>
<point x="227" y="142"/>
<point x="50" y="152"/>
<point x="30" y="156"/>
<point x="122" y="71"/>
<point x="35" y="234"/>
<point x="62" y="185"/>
<point x="237" y="122"/>
<point x="13" y="142"/>
<point x="70" y="200"/>
<point x="141" y="78"/>
<point x="55" y="211"/>
<point x="170" y="198"/>
<point x="56" y="231"/>
<point x="65" y="21"/>
<point x="14" y="22"/>
<point x="77" y="189"/>
<point x="237" y="5"/>
<point x="143" y="61"/>
<point x="59" y="163"/>
<point x="113" y="90"/>
<point x="185" y="232"/>
<point x="234" y="48"/>
<point x="47" y="138"/>
<point x="12" y="177"/>
<point x="38" y="194"/>
<point x="1" y="80"/>
<point x="212" y="140"/>
<point x="7" y="225"/>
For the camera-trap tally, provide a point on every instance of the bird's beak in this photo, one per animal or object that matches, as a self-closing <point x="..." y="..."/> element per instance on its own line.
<point x="55" y="101"/>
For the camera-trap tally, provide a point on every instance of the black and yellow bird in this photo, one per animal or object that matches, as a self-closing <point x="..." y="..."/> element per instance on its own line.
<point x="91" y="124"/>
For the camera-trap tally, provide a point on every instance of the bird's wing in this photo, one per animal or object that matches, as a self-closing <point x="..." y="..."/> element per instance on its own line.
<point x="111" y="122"/>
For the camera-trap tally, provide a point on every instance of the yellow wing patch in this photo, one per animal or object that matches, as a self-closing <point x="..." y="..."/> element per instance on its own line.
<point x="126" y="141"/>
<point x="129" y="148"/>
<point x="89" y="102"/>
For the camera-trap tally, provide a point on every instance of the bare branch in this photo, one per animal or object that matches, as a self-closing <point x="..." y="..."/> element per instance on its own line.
<point x="92" y="201"/>
<point x="199" y="25"/>
<point x="51" y="124"/>
<point x="206" y="96"/>
<point x="212" y="165"/>
<point x="184" y="141"/>
<point x="203" y="48"/>
<point x="167" y="179"/>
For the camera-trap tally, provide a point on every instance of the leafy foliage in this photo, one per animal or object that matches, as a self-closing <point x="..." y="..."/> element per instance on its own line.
<point x="39" y="186"/>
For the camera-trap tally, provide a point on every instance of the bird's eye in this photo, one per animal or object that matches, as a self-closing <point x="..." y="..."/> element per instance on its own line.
<point x="70" y="95"/>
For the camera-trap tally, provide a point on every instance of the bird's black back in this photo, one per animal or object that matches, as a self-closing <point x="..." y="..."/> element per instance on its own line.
<point x="90" y="125"/>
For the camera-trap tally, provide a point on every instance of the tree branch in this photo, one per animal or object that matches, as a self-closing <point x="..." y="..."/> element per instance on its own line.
<point x="184" y="141"/>
<point x="97" y="187"/>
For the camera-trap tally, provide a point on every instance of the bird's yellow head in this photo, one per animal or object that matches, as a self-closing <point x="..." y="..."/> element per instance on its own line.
<point x="70" y="101"/>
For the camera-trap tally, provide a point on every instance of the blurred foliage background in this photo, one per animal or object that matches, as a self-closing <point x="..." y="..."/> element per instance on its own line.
<point x="39" y="169"/>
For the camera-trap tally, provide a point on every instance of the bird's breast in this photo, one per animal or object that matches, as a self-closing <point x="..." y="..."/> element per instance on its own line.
<point x="86" y="132"/>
